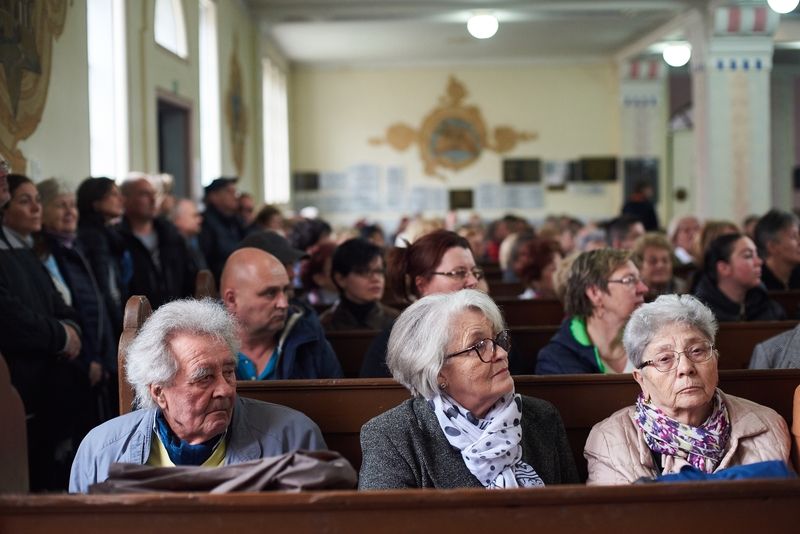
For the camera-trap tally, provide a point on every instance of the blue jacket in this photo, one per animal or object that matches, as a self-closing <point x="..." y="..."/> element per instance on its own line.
<point x="565" y="355"/>
<point x="258" y="430"/>
<point x="304" y="352"/>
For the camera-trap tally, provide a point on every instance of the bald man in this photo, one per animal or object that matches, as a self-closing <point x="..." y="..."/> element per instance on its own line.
<point x="279" y="341"/>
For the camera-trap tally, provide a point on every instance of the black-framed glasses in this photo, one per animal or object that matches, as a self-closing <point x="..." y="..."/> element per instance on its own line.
<point x="461" y="274"/>
<point x="667" y="360"/>
<point x="481" y="348"/>
<point x="627" y="281"/>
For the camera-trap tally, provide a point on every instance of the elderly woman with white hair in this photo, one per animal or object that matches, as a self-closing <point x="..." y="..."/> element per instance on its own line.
<point x="465" y="426"/>
<point x="182" y="366"/>
<point x="680" y="418"/>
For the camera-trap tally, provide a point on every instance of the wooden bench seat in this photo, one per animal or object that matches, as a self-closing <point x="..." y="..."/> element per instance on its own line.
<point x="736" y="506"/>
<point x="341" y="407"/>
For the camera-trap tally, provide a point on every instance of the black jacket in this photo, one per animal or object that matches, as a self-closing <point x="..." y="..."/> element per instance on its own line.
<point x="219" y="237"/>
<point x="757" y="306"/>
<point x="174" y="279"/>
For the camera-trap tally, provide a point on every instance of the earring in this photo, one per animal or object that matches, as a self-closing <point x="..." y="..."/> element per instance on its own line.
<point x="443" y="386"/>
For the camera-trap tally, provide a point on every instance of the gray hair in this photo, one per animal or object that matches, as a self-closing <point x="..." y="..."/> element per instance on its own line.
<point x="420" y="336"/>
<point x="53" y="188"/>
<point x="150" y="360"/>
<point x="646" y="321"/>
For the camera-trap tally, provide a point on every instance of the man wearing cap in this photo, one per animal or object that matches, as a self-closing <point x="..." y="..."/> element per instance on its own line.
<point x="222" y="230"/>
<point x="278" y="340"/>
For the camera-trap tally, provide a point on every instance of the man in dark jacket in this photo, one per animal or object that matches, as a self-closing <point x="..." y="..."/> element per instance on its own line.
<point x="279" y="341"/>
<point x="222" y="230"/>
<point x="162" y="269"/>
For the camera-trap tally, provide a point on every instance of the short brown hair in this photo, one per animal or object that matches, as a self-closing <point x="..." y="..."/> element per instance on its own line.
<point x="649" y="240"/>
<point x="591" y="269"/>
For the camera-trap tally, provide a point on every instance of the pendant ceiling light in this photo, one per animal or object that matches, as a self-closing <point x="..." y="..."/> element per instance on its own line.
<point x="482" y="25"/>
<point x="783" y="6"/>
<point x="677" y="55"/>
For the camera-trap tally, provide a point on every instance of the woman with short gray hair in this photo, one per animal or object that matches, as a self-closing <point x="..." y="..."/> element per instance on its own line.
<point x="680" y="418"/>
<point x="465" y="426"/>
<point x="602" y="290"/>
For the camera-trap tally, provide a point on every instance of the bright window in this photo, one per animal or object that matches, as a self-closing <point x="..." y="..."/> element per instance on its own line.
<point x="170" y="26"/>
<point x="210" y="154"/>
<point x="108" y="97"/>
<point x="276" y="135"/>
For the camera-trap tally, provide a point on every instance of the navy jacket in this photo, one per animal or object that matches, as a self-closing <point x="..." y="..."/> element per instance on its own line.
<point x="564" y="355"/>
<point x="757" y="304"/>
<point x="219" y="236"/>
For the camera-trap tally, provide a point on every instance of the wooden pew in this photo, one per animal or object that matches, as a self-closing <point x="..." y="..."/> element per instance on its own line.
<point x="13" y="438"/>
<point x="341" y="407"/>
<point x="530" y="312"/>
<point x="795" y="429"/>
<point x="137" y="310"/>
<point x="505" y="289"/>
<point x="743" y="506"/>
<point x="790" y="300"/>
<point x="350" y="347"/>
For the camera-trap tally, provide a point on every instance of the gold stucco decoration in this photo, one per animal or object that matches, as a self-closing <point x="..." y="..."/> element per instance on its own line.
<point x="453" y="134"/>
<point x="236" y="111"/>
<point x="27" y="31"/>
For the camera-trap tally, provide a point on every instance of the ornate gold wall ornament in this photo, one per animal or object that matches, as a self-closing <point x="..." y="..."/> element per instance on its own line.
<point x="27" y="31"/>
<point x="236" y="111"/>
<point x="453" y="135"/>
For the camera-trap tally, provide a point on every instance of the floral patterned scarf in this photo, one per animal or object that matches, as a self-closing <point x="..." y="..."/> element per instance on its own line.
<point x="702" y="446"/>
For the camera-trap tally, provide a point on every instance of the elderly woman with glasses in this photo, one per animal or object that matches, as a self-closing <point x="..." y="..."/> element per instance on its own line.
<point x="680" y="418"/>
<point x="438" y="262"/>
<point x="465" y="426"/>
<point x="603" y="289"/>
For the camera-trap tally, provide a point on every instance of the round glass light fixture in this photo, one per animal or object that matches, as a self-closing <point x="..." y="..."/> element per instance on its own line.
<point x="677" y="55"/>
<point x="783" y="6"/>
<point x="482" y="25"/>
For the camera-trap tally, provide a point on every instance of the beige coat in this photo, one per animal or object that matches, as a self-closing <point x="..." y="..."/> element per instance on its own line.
<point x="618" y="454"/>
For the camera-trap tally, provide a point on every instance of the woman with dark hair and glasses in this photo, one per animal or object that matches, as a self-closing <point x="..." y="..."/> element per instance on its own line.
<point x="602" y="290"/>
<point x="438" y="262"/>
<point x="731" y="282"/>
<point x="680" y="418"/>
<point x="357" y="271"/>
<point x="464" y="426"/>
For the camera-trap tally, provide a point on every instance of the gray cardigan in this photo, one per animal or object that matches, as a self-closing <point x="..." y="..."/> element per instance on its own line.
<point x="778" y="352"/>
<point x="406" y="448"/>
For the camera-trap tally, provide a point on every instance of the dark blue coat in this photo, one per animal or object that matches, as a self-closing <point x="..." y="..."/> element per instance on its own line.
<point x="565" y="355"/>
<point x="306" y="353"/>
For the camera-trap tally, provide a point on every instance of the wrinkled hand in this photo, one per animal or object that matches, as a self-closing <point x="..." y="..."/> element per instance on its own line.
<point x="95" y="373"/>
<point x="73" y="342"/>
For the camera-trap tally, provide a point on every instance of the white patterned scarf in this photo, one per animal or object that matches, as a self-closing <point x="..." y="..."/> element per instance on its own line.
<point x="490" y="447"/>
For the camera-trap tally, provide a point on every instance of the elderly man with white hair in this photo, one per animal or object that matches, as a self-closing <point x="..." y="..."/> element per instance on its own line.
<point x="182" y="367"/>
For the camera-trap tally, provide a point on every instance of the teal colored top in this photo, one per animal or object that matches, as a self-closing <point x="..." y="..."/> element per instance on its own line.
<point x="246" y="369"/>
<point x="578" y="329"/>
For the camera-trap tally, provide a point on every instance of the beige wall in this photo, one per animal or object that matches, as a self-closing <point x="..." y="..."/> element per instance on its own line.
<point x="574" y="109"/>
<point x="60" y="145"/>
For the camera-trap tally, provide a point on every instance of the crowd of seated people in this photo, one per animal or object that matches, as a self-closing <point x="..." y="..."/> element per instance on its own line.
<point x="71" y="258"/>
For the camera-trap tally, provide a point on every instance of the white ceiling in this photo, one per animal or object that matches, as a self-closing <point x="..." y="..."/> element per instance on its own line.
<point x="418" y="32"/>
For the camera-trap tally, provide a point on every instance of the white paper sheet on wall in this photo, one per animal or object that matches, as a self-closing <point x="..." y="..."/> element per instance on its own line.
<point x="333" y="181"/>
<point x="395" y="193"/>
<point x="586" y="190"/>
<point x="555" y="173"/>
<point x="487" y="197"/>
<point x="428" y="199"/>
<point x="520" y="196"/>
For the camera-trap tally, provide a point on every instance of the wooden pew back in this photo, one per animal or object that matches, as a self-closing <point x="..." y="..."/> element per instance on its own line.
<point x="205" y="285"/>
<point x="734" y="506"/>
<point x="341" y="407"/>
<point x="137" y="310"/>
<point x="13" y="438"/>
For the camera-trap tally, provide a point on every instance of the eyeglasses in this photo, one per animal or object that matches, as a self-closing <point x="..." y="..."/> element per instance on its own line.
<point x="481" y="348"/>
<point x="366" y="273"/>
<point x="627" y="281"/>
<point x="667" y="360"/>
<point x="461" y="274"/>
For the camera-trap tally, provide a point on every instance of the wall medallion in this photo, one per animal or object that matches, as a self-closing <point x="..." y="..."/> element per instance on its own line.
<point x="452" y="135"/>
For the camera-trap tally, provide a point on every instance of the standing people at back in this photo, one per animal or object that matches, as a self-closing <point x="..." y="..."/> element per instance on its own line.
<point x="99" y="206"/>
<point x="62" y="254"/>
<point x="279" y="341"/>
<point x="731" y="282"/>
<point x="778" y="240"/>
<point x="222" y="229"/>
<point x="162" y="270"/>
<point x="40" y="339"/>
<point x="188" y="220"/>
